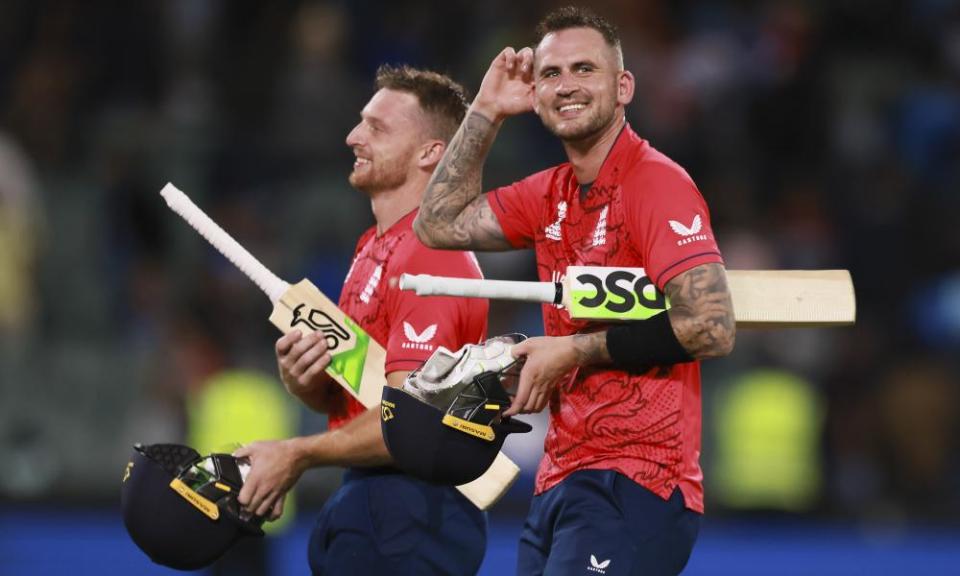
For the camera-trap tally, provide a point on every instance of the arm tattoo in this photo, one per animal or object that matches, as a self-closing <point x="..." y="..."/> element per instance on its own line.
<point x="453" y="213"/>
<point x="701" y="311"/>
<point x="592" y="349"/>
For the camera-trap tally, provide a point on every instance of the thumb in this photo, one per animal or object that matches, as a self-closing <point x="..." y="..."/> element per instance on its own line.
<point x="243" y="451"/>
<point x="521" y="349"/>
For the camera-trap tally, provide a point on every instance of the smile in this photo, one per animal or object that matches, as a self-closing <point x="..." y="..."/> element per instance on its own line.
<point x="568" y="107"/>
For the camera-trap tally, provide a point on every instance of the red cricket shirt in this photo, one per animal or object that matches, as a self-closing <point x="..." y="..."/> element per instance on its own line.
<point x="645" y="211"/>
<point x="410" y="327"/>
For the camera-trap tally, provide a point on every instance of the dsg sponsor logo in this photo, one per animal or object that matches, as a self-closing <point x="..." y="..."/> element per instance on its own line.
<point x="616" y="293"/>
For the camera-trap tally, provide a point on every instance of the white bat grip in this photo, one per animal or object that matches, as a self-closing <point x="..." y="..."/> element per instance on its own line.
<point x="427" y="285"/>
<point x="273" y="286"/>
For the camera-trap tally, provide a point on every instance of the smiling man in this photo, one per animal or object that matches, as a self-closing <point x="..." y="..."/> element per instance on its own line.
<point x="381" y="521"/>
<point x="619" y="489"/>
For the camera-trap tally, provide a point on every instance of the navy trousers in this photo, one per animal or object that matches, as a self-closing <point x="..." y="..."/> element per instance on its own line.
<point x="601" y="522"/>
<point x="384" y="522"/>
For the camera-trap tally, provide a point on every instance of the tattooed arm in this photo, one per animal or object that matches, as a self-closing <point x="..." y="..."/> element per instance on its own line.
<point x="701" y="316"/>
<point x="701" y="311"/>
<point x="453" y="212"/>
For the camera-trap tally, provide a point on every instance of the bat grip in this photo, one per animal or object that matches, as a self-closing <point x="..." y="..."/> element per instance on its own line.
<point x="180" y="203"/>
<point x="427" y="285"/>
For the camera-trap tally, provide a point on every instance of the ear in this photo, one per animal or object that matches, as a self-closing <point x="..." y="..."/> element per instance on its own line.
<point x="430" y="154"/>
<point x="625" y="87"/>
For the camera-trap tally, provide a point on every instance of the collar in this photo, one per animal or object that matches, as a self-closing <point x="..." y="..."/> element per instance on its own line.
<point x="627" y="148"/>
<point x="401" y="225"/>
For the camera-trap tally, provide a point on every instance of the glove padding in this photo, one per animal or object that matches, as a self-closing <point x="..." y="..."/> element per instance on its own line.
<point x="446" y="373"/>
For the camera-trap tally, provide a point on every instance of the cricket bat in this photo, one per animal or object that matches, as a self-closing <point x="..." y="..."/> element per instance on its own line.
<point x="761" y="298"/>
<point x="358" y="360"/>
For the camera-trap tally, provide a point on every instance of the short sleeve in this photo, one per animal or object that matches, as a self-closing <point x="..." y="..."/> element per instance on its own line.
<point x="518" y="207"/>
<point x="418" y="325"/>
<point x="669" y="216"/>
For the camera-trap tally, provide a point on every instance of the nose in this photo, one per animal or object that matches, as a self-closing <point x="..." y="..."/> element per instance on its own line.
<point x="353" y="138"/>
<point x="566" y="85"/>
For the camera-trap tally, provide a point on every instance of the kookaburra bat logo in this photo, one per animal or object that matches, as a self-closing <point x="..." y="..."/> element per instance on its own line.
<point x="320" y="321"/>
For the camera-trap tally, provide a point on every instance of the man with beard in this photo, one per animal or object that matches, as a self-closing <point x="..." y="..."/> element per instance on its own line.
<point x="619" y="489"/>
<point x="381" y="521"/>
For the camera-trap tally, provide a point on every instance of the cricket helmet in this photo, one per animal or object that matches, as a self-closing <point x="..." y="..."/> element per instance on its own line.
<point x="446" y="424"/>
<point x="181" y="508"/>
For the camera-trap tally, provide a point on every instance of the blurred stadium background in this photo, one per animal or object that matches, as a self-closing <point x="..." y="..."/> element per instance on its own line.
<point x="824" y="134"/>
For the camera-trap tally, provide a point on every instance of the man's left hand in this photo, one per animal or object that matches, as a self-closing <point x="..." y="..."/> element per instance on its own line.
<point x="274" y="468"/>
<point x="548" y="359"/>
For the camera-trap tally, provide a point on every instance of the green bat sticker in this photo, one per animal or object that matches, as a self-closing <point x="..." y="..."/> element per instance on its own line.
<point x="350" y="364"/>
<point x="613" y="293"/>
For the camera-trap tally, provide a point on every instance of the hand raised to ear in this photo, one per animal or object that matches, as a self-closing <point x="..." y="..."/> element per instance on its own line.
<point x="507" y="87"/>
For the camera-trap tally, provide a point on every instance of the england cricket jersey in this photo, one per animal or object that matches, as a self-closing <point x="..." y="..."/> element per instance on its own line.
<point x="408" y="326"/>
<point x="643" y="211"/>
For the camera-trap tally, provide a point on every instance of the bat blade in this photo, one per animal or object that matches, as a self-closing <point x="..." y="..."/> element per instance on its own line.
<point x="761" y="298"/>
<point x="501" y="474"/>
<point x="792" y="298"/>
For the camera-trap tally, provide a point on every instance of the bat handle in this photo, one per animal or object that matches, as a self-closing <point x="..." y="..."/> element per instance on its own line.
<point x="180" y="203"/>
<point x="427" y="285"/>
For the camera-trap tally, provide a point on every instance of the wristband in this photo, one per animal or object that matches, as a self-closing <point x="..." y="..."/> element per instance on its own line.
<point x="638" y="346"/>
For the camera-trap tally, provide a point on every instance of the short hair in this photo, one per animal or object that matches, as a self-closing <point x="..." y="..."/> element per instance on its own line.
<point x="579" y="17"/>
<point x="443" y="100"/>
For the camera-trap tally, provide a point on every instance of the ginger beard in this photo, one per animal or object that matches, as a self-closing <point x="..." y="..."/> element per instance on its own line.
<point x="376" y="170"/>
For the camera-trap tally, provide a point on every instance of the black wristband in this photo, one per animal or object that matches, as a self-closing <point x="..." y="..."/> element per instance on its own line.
<point x="638" y="346"/>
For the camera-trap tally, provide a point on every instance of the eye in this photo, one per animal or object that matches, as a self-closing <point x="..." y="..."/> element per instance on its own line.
<point x="584" y="69"/>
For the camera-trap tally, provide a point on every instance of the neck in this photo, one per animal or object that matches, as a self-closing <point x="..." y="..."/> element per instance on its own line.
<point x="587" y="155"/>
<point x="389" y="206"/>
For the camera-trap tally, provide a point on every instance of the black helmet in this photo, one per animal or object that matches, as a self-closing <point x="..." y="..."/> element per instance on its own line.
<point x="181" y="508"/>
<point x="456" y="442"/>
